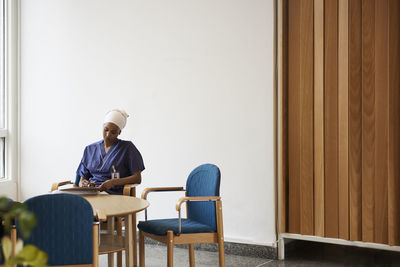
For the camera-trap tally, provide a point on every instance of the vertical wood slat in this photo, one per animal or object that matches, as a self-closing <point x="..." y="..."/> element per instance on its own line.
<point x="381" y="121"/>
<point x="394" y="124"/>
<point x="368" y="119"/>
<point x="294" y="145"/>
<point x="343" y="120"/>
<point x="306" y="119"/>
<point x="331" y="118"/>
<point x="319" y="174"/>
<point x="355" y="144"/>
<point x="283" y="78"/>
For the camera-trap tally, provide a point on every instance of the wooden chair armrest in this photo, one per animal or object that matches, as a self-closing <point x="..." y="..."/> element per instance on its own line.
<point x="127" y="189"/>
<point x="187" y="199"/>
<point x="55" y="186"/>
<point x="101" y="215"/>
<point x="146" y="191"/>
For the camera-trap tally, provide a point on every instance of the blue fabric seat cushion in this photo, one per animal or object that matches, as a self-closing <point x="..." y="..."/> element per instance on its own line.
<point x="160" y="227"/>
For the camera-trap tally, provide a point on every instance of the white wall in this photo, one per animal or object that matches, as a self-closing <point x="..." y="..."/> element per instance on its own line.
<point x="196" y="77"/>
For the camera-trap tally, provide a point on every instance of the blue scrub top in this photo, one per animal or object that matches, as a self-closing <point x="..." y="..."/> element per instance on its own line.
<point x="96" y="165"/>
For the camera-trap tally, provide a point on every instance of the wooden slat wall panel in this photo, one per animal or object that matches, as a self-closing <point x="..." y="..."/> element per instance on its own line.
<point x="343" y="64"/>
<point x="381" y="121"/>
<point x="394" y="124"/>
<point x="355" y="144"/>
<point x="331" y="118"/>
<point x="368" y="119"/>
<point x="343" y="119"/>
<point x="294" y="130"/>
<point x="307" y="117"/>
<point x="319" y="174"/>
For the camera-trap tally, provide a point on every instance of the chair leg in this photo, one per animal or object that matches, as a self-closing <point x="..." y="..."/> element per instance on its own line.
<point x="110" y="257"/>
<point x="110" y="229"/>
<point x="119" y="259"/>
<point x="141" y="249"/>
<point x="170" y="248"/>
<point x="96" y="245"/>
<point x="119" y="233"/>
<point x="191" y="255"/>
<point x="128" y="240"/>
<point x="134" y="232"/>
<point x="13" y="240"/>
<point x="220" y="231"/>
<point x="221" y="252"/>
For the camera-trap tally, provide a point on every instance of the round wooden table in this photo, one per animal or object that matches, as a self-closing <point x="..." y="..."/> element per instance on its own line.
<point x="118" y="206"/>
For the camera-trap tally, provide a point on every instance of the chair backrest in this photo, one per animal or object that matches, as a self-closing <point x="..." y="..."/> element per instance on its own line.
<point x="64" y="228"/>
<point x="203" y="181"/>
<point x="77" y="179"/>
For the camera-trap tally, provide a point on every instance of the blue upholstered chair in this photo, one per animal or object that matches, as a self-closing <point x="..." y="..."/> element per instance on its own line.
<point x="204" y="216"/>
<point x="65" y="229"/>
<point x="129" y="190"/>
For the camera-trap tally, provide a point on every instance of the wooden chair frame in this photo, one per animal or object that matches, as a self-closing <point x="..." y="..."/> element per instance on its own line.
<point x="171" y="239"/>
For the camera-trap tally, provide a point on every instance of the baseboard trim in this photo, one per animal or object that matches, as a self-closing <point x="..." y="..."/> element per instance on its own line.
<point x="337" y="241"/>
<point x="231" y="248"/>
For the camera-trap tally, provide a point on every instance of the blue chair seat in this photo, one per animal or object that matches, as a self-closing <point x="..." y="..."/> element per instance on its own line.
<point x="160" y="227"/>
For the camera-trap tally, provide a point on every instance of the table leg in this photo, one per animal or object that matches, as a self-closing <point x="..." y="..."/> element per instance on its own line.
<point x="119" y="233"/>
<point x="129" y="240"/>
<point x="135" y="245"/>
<point x="141" y="249"/>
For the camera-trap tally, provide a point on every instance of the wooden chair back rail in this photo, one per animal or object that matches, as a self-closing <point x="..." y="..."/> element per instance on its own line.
<point x="148" y="190"/>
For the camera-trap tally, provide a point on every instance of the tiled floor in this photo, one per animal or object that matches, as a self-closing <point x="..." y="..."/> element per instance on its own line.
<point x="298" y="253"/>
<point x="156" y="256"/>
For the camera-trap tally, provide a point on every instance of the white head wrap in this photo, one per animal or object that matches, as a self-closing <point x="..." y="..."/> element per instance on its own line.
<point x="116" y="116"/>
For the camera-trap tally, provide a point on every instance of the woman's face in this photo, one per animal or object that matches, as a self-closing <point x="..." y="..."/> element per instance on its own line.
<point x="110" y="132"/>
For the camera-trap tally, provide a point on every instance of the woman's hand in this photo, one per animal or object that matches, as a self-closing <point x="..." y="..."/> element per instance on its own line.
<point x="106" y="185"/>
<point x="83" y="182"/>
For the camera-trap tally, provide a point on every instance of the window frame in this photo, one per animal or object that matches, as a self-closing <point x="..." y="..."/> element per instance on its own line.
<point x="9" y="184"/>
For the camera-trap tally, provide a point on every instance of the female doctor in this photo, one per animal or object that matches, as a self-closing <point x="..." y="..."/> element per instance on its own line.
<point x="111" y="157"/>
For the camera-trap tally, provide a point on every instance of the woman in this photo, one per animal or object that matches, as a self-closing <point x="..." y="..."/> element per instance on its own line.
<point x="111" y="157"/>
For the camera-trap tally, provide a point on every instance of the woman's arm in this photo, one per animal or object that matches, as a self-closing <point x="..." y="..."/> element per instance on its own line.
<point x="136" y="178"/>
